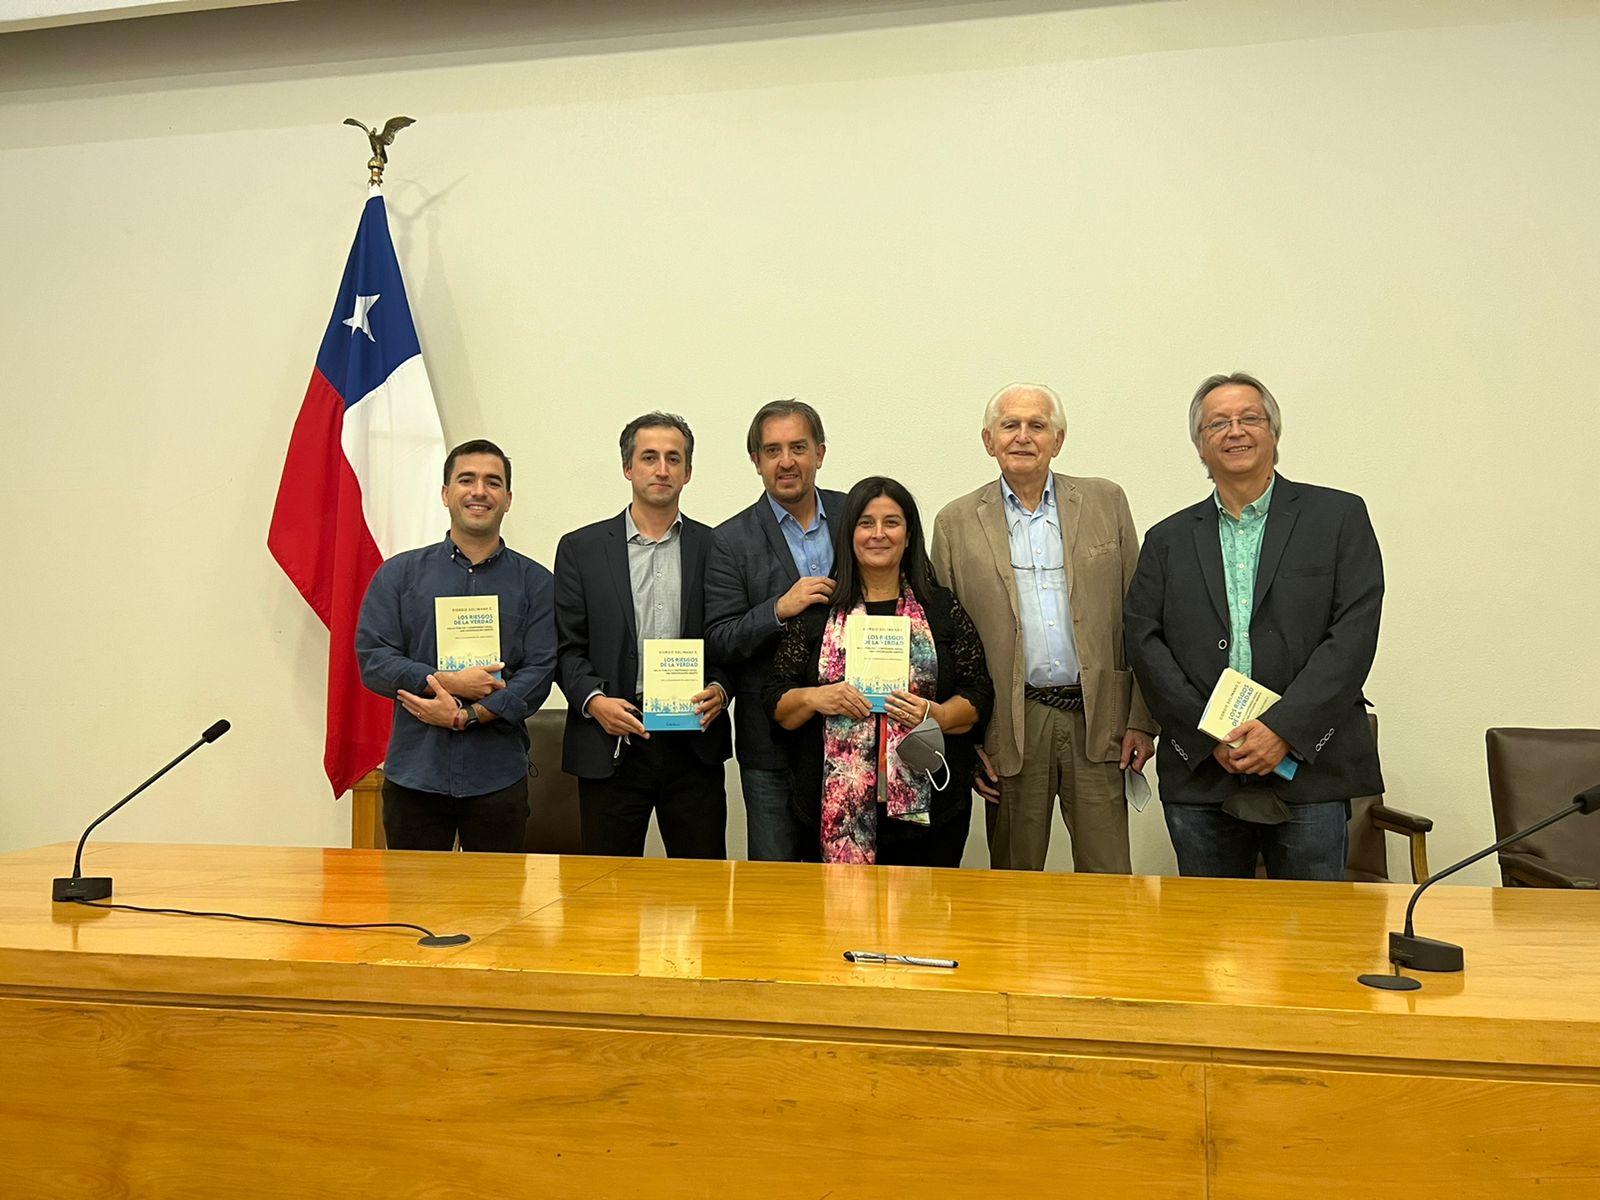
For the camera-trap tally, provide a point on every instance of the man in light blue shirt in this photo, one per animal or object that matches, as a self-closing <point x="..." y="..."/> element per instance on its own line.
<point x="1040" y="561"/>
<point x="811" y="545"/>
<point x="767" y="564"/>
<point x="1040" y="568"/>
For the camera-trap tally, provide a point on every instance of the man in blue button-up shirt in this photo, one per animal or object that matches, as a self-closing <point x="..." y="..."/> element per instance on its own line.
<point x="1040" y="562"/>
<point x="457" y="765"/>
<point x="769" y="563"/>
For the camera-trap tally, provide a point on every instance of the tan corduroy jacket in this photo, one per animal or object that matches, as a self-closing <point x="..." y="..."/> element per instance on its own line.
<point x="972" y="557"/>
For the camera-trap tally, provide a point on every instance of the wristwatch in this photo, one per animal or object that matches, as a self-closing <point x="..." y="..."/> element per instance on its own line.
<point x="471" y="718"/>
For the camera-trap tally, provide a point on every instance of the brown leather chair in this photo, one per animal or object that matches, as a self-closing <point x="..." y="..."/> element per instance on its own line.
<point x="1532" y="773"/>
<point x="553" y="826"/>
<point x="1370" y="820"/>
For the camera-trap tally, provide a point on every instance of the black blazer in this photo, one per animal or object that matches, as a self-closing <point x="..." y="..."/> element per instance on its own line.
<point x="1313" y="634"/>
<point x="597" y="640"/>
<point x="748" y="568"/>
<point x="962" y="670"/>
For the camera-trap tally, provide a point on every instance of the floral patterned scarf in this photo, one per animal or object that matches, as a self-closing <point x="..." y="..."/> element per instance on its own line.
<point x="851" y="754"/>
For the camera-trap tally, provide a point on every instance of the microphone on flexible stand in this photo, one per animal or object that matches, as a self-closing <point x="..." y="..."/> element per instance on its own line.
<point x="98" y="887"/>
<point x="90" y="891"/>
<point x="1429" y="954"/>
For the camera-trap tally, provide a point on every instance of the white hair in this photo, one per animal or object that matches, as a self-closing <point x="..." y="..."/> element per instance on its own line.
<point x="1058" y="413"/>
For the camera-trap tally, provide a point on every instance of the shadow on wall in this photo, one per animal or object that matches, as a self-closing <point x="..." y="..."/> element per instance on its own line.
<point x="337" y="37"/>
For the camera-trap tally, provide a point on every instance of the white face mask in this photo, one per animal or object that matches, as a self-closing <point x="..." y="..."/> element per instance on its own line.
<point x="922" y="749"/>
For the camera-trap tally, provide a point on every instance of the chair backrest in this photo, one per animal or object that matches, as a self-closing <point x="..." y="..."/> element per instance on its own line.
<point x="1368" y="861"/>
<point x="1369" y="848"/>
<point x="553" y="825"/>
<point x="1532" y="773"/>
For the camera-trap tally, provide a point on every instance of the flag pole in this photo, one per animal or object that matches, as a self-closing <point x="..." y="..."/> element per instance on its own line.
<point x="379" y="141"/>
<point x="353" y="494"/>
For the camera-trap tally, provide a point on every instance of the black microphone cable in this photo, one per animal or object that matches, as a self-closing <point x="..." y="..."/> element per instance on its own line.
<point x="429" y="938"/>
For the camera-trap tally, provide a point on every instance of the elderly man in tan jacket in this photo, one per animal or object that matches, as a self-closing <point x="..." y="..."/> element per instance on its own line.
<point x="1041" y="562"/>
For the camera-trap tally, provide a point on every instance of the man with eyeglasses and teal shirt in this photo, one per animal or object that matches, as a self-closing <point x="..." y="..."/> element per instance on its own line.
<point x="1283" y="582"/>
<point x="1040" y="562"/>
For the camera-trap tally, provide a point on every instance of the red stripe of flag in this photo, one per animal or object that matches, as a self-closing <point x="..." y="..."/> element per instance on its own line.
<point x="320" y="538"/>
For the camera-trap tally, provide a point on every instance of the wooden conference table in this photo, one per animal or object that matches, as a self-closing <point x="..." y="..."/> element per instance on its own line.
<point x="652" y="1028"/>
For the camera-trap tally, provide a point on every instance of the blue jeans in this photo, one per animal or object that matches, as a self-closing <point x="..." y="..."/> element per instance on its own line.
<point x="1312" y="844"/>
<point x="775" y="834"/>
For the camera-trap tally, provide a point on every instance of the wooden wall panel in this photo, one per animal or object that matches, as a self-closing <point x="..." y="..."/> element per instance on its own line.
<point x="1292" y="1132"/>
<point x="176" y="1102"/>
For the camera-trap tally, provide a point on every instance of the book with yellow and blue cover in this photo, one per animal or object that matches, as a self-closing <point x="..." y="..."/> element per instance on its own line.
<point x="1236" y="699"/>
<point x="877" y="656"/>
<point x="674" y="674"/>
<point x="466" y="631"/>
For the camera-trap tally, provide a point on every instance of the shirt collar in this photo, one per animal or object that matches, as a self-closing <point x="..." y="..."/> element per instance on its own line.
<point x="1047" y="501"/>
<point x="457" y="553"/>
<point x="781" y="512"/>
<point x="634" y="535"/>
<point x="1255" y="510"/>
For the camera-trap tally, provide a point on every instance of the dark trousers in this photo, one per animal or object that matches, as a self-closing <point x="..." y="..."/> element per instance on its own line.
<point x="902" y="844"/>
<point x="1312" y="844"/>
<point x="663" y="773"/>
<point x="495" y="822"/>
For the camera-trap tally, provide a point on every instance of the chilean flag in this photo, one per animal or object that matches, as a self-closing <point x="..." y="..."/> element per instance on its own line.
<point x="361" y="479"/>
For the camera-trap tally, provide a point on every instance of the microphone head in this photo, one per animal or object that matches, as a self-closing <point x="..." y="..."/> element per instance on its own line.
<point x="1588" y="801"/>
<point x="216" y="731"/>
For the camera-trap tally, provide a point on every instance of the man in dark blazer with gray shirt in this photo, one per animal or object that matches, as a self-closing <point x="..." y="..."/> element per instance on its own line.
<point x="768" y="564"/>
<point x="1283" y="582"/>
<point x="618" y="582"/>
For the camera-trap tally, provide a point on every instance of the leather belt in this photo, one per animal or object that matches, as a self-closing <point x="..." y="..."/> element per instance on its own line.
<point x="1067" y="698"/>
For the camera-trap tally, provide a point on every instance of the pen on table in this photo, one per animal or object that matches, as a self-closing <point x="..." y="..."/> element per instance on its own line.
<point x="910" y="960"/>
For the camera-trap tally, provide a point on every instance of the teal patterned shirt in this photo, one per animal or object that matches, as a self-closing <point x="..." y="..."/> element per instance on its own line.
<point x="1241" y="551"/>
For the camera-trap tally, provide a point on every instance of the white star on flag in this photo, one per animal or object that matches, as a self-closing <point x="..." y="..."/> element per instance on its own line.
<point x="358" y="319"/>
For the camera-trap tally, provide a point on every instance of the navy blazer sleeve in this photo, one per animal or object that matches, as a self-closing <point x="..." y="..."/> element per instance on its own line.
<point x="718" y="674"/>
<point x="738" y="626"/>
<point x="576" y="673"/>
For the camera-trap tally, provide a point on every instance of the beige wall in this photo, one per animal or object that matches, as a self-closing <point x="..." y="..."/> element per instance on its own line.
<point x="1389" y="211"/>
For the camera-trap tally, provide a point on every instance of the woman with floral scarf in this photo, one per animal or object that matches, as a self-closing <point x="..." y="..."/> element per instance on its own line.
<point x="849" y="782"/>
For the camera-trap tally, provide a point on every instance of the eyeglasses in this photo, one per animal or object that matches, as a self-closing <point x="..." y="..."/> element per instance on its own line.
<point x="1250" y="422"/>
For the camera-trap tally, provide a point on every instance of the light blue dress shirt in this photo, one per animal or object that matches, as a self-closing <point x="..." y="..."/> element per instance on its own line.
<point x="1037" y="558"/>
<point x="811" y="547"/>
<point x="1241" y="553"/>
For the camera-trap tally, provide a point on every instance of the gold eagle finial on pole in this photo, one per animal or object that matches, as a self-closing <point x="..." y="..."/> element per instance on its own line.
<point x="379" y="140"/>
